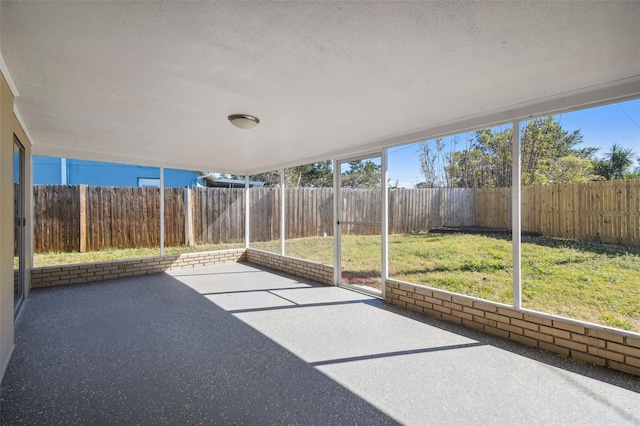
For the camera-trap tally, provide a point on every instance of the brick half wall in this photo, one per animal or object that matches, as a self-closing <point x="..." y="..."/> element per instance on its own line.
<point x="313" y="271"/>
<point x="616" y="349"/>
<point x="87" y="272"/>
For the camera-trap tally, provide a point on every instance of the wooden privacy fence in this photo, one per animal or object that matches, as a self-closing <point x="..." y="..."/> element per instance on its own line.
<point x="414" y="210"/>
<point x="85" y="218"/>
<point x="217" y="217"/>
<point x="309" y="211"/>
<point x="606" y="211"/>
<point x="56" y="211"/>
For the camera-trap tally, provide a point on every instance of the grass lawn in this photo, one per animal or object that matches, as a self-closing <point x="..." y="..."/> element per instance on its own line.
<point x="593" y="282"/>
<point x="51" y="259"/>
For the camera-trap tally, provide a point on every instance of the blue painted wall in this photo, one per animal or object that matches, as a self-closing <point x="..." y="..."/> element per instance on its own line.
<point x="47" y="170"/>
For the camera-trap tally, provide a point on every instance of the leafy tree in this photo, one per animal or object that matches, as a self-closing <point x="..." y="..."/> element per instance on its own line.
<point x="616" y="163"/>
<point x="269" y="178"/>
<point x="309" y="175"/>
<point x="466" y="169"/>
<point x="544" y="143"/>
<point x="362" y="174"/>
<point x="422" y="185"/>
<point x="485" y="163"/>
<point x="495" y="148"/>
<point x="549" y="155"/>
<point x="570" y="169"/>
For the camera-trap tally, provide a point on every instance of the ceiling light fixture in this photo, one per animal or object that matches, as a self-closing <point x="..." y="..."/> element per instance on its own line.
<point x="243" y="121"/>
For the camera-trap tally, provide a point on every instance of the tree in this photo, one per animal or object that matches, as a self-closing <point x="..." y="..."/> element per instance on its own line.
<point x="313" y="175"/>
<point x="269" y="178"/>
<point x="570" y="169"/>
<point x="636" y="172"/>
<point x="549" y="155"/>
<point x="485" y="163"/>
<point x="465" y="169"/>
<point x="544" y="143"/>
<point x="361" y="174"/>
<point x="309" y="175"/>
<point x="615" y="164"/>
<point x="432" y="163"/>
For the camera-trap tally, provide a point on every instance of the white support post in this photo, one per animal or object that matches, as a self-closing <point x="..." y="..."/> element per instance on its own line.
<point x="282" y="218"/>
<point x="384" y="229"/>
<point x="337" y="211"/>
<point x="161" y="211"/>
<point x="516" y="226"/>
<point x="246" y="211"/>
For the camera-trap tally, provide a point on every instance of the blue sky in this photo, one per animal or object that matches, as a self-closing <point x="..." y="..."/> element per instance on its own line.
<point x="601" y="127"/>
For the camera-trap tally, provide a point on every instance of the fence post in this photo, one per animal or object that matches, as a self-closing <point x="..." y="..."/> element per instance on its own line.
<point x="188" y="218"/>
<point x="83" y="218"/>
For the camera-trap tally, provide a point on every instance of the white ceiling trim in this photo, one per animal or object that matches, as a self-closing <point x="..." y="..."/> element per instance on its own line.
<point x="16" y="111"/>
<point x="7" y="76"/>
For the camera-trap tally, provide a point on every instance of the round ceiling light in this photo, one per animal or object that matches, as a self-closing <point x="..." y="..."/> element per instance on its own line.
<point x="243" y="121"/>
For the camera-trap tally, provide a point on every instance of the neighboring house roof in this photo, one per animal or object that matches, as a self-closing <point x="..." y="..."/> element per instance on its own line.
<point x="213" y="181"/>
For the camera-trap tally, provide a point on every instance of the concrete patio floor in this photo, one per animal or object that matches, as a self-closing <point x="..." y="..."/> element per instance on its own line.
<point x="236" y="343"/>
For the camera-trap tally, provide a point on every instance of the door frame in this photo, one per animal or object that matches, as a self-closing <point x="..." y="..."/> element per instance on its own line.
<point x="21" y="224"/>
<point x="384" y="228"/>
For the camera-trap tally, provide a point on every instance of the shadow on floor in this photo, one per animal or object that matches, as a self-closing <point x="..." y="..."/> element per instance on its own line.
<point x="219" y="346"/>
<point x="151" y="350"/>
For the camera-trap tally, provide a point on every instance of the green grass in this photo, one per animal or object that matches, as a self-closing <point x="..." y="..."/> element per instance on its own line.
<point x="52" y="259"/>
<point x="593" y="282"/>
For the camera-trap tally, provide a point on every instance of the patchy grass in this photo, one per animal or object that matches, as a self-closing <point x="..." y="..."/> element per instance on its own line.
<point x="52" y="259"/>
<point x="361" y="262"/>
<point x="593" y="282"/>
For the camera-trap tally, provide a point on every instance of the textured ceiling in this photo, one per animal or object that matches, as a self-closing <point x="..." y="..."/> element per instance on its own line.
<point x="154" y="82"/>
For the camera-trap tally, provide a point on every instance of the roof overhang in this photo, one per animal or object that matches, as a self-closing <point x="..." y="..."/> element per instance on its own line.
<point x="152" y="83"/>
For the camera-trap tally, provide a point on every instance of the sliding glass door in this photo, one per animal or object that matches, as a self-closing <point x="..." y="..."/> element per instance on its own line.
<point x="19" y="222"/>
